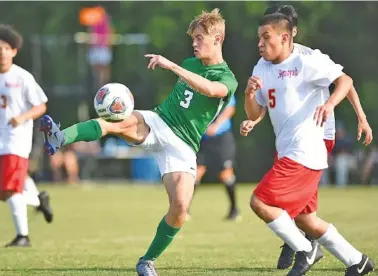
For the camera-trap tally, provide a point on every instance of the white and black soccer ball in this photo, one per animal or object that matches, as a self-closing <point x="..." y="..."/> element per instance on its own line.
<point x="114" y="102"/>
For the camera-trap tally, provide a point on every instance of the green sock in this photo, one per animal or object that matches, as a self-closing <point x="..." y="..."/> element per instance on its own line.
<point x="84" y="131"/>
<point x="164" y="236"/>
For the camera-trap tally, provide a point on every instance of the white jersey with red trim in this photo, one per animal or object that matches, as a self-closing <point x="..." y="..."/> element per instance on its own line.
<point x="292" y="90"/>
<point x="329" y="125"/>
<point x="19" y="92"/>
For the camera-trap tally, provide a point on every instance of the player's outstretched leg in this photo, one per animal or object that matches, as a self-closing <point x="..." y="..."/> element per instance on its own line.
<point x="328" y="236"/>
<point x="179" y="186"/>
<point x="133" y="130"/>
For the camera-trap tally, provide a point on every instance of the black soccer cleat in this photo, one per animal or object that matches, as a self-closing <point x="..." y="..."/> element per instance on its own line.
<point x="286" y="257"/>
<point x="363" y="268"/>
<point x="44" y="206"/>
<point x="233" y="215"/>
<point x="19" y="241"/>
<point x="305" y="260"/>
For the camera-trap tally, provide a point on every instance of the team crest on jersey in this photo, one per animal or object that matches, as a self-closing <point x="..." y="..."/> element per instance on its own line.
<point x="288" y="73"/>
<point x="182" y="82"/>
<point x="117" y="106"/>
<point x="101" y="94"/>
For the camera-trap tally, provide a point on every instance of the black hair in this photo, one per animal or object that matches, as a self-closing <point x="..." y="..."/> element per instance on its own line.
<point x="287" y="10"/>
<point x="277" y="19"/>
<point x="10" y="36"/>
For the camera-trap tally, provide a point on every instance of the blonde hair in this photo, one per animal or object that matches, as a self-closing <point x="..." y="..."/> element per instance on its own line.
<point x="211" y="22"/>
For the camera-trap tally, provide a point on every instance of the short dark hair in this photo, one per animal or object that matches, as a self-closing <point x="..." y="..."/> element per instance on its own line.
<point x="10" y="36"/>
<point x="277" y="19"/>
<point x="287" y="10"/>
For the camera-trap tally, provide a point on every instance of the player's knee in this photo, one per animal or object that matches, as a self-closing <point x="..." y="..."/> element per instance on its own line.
<point x="228" y="177"/>
<point x="256" y="205"/>
<point x="179" y="210"/>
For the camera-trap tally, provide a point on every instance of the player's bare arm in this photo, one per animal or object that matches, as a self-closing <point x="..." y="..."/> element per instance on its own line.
<point x="342" y="86"/>
<point x="252" y="108"/>
<point x="32" y="114"/>
<point x="363" y="125"/>
<point x="202" y="85"/>
<point x="246" y="126"/>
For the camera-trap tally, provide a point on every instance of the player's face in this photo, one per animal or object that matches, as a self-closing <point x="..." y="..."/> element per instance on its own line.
<point x="6" y="55"/>
<point x="203" y="44"/>
<point x="271" y="42"/>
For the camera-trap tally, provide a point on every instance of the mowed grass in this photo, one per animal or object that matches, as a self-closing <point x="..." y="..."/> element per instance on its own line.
<point x="103" y="230"/>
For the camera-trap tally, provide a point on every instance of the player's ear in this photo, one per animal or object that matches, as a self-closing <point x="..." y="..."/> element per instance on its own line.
<point x="295" y="31"/>
<point x="285" y="38"/>
<point x="217" y="39"/>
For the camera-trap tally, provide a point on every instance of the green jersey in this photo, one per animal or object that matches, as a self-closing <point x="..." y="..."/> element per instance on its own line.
<point x="186" y="111"/>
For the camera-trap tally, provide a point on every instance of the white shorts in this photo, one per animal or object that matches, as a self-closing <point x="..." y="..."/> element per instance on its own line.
<point x="171" y="153"/>
<point x="99" y="55"/>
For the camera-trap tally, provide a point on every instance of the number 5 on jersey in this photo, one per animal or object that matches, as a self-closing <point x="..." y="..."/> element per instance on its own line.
<point x="272" y="97"/>
<point x="188" y="97"/>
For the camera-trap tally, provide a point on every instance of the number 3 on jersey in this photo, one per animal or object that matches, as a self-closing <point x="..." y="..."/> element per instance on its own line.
<point x="272" y="98"/>
<point x="188" y="97"/>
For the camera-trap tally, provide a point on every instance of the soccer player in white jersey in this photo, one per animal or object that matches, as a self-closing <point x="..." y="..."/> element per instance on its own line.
<point x="21" y="101"/>
<point x="286" y="257"/>
<point x="291" y="86"/>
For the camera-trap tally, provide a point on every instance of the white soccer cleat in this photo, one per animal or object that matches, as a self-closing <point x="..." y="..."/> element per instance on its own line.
<point x="53" y="137"/>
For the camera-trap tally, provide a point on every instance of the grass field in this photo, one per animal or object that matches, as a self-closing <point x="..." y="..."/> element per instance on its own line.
<point x="102" y="230"/>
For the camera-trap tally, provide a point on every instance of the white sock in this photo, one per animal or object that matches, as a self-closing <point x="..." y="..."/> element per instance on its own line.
<point x="286" y="229"/>
<point x="339" y="247"/>
<point x="19" y="213"/>
<point x="30" y="192"/>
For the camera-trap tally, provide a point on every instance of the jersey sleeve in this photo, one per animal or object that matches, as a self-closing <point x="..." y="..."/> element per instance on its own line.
<point x="34" y="92"/>
<point x="320" y="70"/>
<point x="229" y="80"/>
<point x="259" y="96"/>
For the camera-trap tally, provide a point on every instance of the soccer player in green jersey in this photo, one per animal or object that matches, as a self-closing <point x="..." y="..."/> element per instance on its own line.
<point x="172" y="130"/>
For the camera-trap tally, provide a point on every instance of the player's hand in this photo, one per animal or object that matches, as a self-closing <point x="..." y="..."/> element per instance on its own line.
<point x="212" y="129"/>
<point x="158" y="60"/>
<point x="254" y="83"/>
<point x="15" y="121"/>
<point x="246" y="126"/>
<point x="364" y="127"/>
<point x="322" y="113"/>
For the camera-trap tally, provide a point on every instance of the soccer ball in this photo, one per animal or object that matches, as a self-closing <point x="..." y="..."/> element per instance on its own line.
<point x="114" y="102"/>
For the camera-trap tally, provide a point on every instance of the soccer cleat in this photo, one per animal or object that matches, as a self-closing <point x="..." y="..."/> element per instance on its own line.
<point x="305" y="260"/>
<point x="146" y="268"/>
<point x="234" y="215"/>
<point x="44" y="207"/>
<point x="363" y="268"/>
<point x="19" y="241"/>
<point x="286" y="257"/>
<point x="53" y="137"/>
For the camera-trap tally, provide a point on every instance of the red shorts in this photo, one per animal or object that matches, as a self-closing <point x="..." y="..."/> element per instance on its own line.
<point x="13" y="172"/>
<point x="291" y="187"/>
